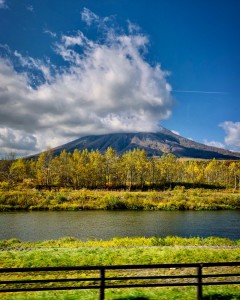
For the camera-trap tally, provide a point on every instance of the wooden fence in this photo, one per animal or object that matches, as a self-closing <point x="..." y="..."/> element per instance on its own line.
<point x="121" y="276"/>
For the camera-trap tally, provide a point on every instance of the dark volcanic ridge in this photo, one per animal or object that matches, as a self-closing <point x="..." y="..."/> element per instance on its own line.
<point x="155" y="144"/>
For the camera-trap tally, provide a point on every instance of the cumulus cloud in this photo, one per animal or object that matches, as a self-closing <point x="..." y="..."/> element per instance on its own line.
<point x="232" y="130"/>
<point x="16" y="140"/>
<point x="232" y="138"/>
<point x="104" y="86"/>
<point x="35" y="64"/>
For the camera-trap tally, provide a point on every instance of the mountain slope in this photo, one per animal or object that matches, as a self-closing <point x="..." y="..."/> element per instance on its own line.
<point x="155" y="144"/>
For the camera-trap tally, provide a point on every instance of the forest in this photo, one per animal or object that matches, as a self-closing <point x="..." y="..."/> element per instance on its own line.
<point x="132" y="170"/>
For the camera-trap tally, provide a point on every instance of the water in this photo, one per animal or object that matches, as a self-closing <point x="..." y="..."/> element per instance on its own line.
<point x="36" y="226"/>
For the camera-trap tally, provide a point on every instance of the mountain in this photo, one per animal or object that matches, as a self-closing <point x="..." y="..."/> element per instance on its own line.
<point x="155" y="144"/>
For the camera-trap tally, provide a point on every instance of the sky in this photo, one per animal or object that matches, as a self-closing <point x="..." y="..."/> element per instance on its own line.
<point x="75" y="68"/>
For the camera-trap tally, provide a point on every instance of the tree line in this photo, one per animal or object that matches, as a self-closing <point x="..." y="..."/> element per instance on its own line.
<point x="131" y="170"/>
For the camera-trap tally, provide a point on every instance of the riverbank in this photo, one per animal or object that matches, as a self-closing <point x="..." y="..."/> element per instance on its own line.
<point x="168" y="241"/>
<point x="118" y="251"/>
<point x="68" y="199"/>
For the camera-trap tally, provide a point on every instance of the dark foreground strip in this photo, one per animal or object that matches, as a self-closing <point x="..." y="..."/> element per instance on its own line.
<point x="147" y="276"/>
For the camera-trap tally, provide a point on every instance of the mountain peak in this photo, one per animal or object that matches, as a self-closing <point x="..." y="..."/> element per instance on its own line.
<point x="154" y="143"/>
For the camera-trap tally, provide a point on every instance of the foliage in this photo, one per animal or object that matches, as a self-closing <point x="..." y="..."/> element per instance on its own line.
<point x="68" y="199"/>
<point x="133" y="171"/>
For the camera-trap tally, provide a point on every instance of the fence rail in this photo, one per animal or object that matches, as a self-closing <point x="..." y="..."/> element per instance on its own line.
<point x="128" y="276"/>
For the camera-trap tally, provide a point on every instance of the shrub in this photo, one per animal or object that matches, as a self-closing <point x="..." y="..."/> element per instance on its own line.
<point x="113" y="202"/>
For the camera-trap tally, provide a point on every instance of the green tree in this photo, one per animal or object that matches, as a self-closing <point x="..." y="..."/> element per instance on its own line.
<point x="5" y="167"/>
<point x="141" y="166"/>
<point x="234" y="171"/>
<point x="62" y="168"/>
<point x="134" y="166"/>
<point x="212" y="171"/>
<point x="194" y="172"/>
<point x="18" y="170"/>
<point x="96" y="170"/>
<point x="43" y="168"/>
<point x="80" y="172"/>
<point x="111" y="165"/>
<point x="169" y="165"/>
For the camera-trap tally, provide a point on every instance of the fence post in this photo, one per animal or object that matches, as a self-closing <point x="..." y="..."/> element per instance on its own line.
<point x="102" y="283"/>
<point x="199" y="282"/>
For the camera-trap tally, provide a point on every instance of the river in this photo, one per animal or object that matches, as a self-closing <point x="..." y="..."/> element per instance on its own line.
<point x="37" y="226"/>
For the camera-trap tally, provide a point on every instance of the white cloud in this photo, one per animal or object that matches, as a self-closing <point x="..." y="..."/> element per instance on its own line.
<point x="175" y="132"/>
<point x="3" y="4"/>
<point x="214" y="144"/>
<point x="73" y="40"/>
<point x="103" y="87"/>
<point x="232" y="130"/>
<point x="49" y="32"/>
<point x="30" y="8"/>
<point x="89" y="17"/>
<point x="16" y="140"/>
<point x="232" y="138"/>
<point x="37" y="64"/>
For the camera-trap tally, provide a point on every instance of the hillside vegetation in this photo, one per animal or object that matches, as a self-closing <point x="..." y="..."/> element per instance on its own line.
<point x="68" y="199"/>
<point x="92" y="180"/>
<point x="154" y="143"/>
<point x="132" y="170"/>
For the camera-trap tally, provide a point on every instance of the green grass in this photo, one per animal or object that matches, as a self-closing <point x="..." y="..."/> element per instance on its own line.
<point x="70" y="242"/>
<point x="177" y="199"/>
<point x="183" y="293"/>
<point x="119" y="251"/>
<point x="114" y="256"/>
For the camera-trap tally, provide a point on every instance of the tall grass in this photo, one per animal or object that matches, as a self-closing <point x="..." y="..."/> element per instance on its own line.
<point x="177" y="199"/>
<point x="71" y="242"/>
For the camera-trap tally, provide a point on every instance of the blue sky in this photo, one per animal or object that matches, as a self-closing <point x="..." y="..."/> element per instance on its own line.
<point x="74" y="68"/>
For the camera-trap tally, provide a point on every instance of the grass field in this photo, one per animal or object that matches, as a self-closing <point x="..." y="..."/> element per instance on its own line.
<point x="118" y="251"/>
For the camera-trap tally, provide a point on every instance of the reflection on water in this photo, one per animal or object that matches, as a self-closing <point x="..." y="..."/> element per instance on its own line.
<point x="35" y="226"/>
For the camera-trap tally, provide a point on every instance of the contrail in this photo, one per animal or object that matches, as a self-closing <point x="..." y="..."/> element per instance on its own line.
<point x="198" y="92"/>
